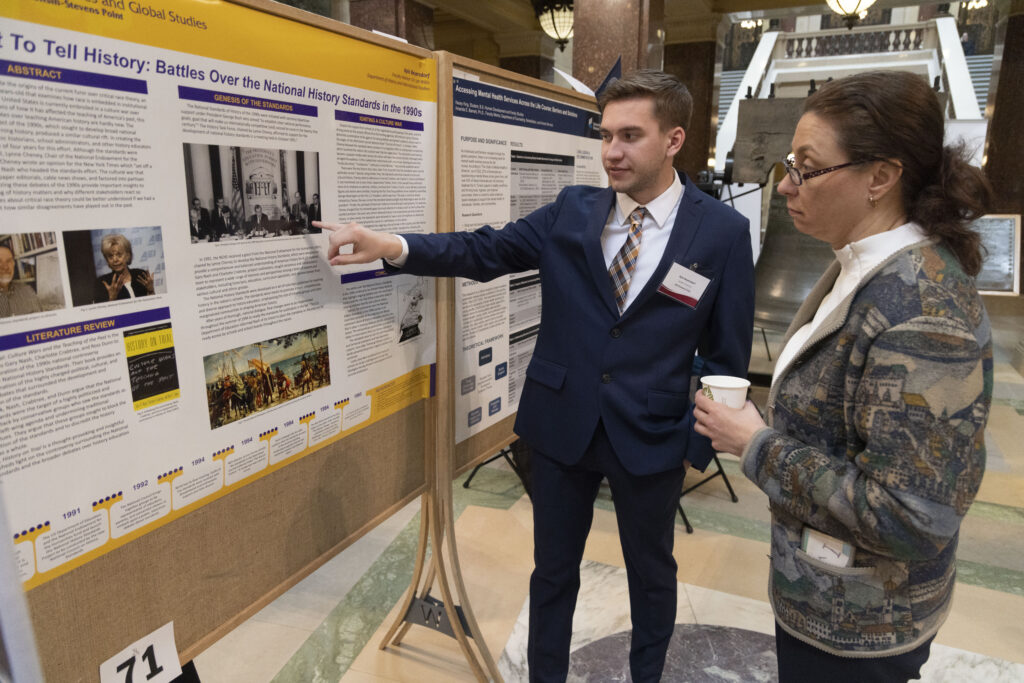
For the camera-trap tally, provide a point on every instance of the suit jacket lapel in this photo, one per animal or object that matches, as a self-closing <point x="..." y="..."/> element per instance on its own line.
<point x="594" y="254"/>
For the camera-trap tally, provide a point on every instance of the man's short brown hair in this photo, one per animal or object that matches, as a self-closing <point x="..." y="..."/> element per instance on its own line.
<point x="673" y="104"/>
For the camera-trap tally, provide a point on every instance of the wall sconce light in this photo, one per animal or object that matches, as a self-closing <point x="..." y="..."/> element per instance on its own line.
<point x="555" y="17"/>
<point x="850" y="10"/>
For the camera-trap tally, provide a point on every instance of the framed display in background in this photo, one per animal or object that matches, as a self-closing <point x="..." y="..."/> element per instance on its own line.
<point x="1000" y="269"/>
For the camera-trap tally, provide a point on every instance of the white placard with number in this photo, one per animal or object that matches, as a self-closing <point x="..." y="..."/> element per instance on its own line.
<point x="153" y="659"/>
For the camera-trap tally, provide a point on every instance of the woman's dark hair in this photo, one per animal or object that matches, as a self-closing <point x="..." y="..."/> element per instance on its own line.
<point x="896" y="115"/>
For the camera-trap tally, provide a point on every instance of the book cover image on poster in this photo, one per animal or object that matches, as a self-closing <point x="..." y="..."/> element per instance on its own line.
<point x="30" y="277"/>
<point x="152" y="370"/>
<point x="114" y="264"/>
<point x="239" y="193"/>
<point x="252" y="378"/>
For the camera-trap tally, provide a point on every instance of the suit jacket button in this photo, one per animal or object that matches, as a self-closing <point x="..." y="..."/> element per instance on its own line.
<point x="606" y="378"/>
<point x="616" y="333"/>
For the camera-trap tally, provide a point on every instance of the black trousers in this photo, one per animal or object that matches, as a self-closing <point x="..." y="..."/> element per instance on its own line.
<point x="803" y="663"/>
<point x="563" y="507"/>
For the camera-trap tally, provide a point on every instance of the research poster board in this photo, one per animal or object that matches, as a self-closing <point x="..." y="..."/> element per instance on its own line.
<point x="170" y="328"/>
<point x="515" y="145"/>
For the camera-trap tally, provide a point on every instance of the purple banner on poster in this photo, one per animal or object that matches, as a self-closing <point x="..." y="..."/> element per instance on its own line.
<point x="485" y="102"/>
<point x="374" y="120"/>
<point x="82" y="328"/>
<point x="246" y="101"/>
<point x="54" y="74"/>
<point x="367" y="275"/>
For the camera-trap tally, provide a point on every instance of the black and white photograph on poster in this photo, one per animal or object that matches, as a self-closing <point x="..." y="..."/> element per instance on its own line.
<point x="410" y="297"/>
<point x="252" y="378"/>
<point x="113" y="264"/>
<point x="30" y="275"/>
<point x="240" y="193"/>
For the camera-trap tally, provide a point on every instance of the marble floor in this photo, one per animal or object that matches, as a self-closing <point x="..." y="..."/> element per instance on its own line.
<point x="328" y="628"/>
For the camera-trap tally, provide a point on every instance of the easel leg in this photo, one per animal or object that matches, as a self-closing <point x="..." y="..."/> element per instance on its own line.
<point x="437" y="534"/>
<point x="417" y="572"/>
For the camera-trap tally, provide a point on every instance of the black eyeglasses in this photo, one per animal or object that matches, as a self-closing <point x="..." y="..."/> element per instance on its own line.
<point x="798" y="178"/>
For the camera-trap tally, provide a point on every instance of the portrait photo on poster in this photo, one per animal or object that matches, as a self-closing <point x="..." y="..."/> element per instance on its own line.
<point x="244" y="193"/>
<point x="30" y="274"/>
<point x="114" y="264"/>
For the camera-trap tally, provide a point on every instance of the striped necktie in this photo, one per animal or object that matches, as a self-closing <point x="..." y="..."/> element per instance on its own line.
<point x="625" y="261"/>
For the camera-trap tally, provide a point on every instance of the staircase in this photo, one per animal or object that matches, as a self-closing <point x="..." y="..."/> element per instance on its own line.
<point x="727" y="90"/>
<point x="980" y="68"/>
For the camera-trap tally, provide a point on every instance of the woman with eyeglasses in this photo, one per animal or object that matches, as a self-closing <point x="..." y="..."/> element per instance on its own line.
<point x="874" y="444"/>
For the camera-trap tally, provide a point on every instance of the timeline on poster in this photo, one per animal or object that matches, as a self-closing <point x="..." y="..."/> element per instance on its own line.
<point x="513" y="152"/>
<point x="169" y="327"/>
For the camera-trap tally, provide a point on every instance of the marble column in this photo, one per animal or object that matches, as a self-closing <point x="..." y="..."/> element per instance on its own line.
<point x="401" y="18"/>
<point x="694" y="46"/>
<point x="311" y="175"/>
<point x="1004" y="165"/>
<point x="226" y="156"/>
<point x="604" y="30"/>
<point x="694" y="65"/>
<point x="530" y="53"/>
<point x="202" y="175"/>
<point x="290" y="163"/>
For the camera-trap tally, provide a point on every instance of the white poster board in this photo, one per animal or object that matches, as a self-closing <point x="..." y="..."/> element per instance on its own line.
<point x="227" y="348"/>
<point x="513" y="152"/>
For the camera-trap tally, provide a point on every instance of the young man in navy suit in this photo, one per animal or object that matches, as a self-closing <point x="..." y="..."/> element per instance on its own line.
<point x="607" y="390"/>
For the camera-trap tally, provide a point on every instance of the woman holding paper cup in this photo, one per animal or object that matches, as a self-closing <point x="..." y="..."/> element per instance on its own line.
<point x="874" y="446"/>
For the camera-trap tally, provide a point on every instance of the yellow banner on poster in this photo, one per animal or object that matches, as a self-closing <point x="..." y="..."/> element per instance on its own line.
<point x="223" y="31"/>
<point x="155" y="340"/>
<point x="156" y="400"/>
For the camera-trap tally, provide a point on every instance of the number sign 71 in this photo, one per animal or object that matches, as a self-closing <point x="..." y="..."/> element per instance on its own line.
<point x="153" y="659"/>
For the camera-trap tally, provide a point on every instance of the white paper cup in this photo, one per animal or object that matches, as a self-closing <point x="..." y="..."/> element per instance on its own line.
<point x="732" y="391"/>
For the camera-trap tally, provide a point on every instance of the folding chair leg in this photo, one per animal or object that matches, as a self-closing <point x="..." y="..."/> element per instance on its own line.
<point x="689" y="528"/>
<point x="503" y="453"/>
<point x="726" y="480"/>
<point x="472" y="474"/>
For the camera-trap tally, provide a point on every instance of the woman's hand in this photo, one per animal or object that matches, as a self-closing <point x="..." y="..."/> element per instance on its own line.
<point x="119" y="280"/>
<point x="729" y="429"/>
<point x="145" y="278"/>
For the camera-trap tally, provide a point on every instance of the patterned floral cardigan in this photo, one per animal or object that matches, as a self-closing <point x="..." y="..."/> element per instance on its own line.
<point x="876" y="437"/>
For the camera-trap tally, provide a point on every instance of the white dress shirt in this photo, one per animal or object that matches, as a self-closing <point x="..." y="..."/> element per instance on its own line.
<point x="856" y="260"/>
<point x="658" y="222"/>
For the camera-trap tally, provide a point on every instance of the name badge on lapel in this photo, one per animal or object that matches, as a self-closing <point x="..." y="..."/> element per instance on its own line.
<point x="684" y="285"/>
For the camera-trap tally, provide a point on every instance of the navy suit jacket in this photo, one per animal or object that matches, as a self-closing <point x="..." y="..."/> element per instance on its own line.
<point x="632" y="371"/>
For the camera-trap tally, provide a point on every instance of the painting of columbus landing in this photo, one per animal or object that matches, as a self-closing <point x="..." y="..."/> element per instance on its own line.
<point x="255" y="377"/>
